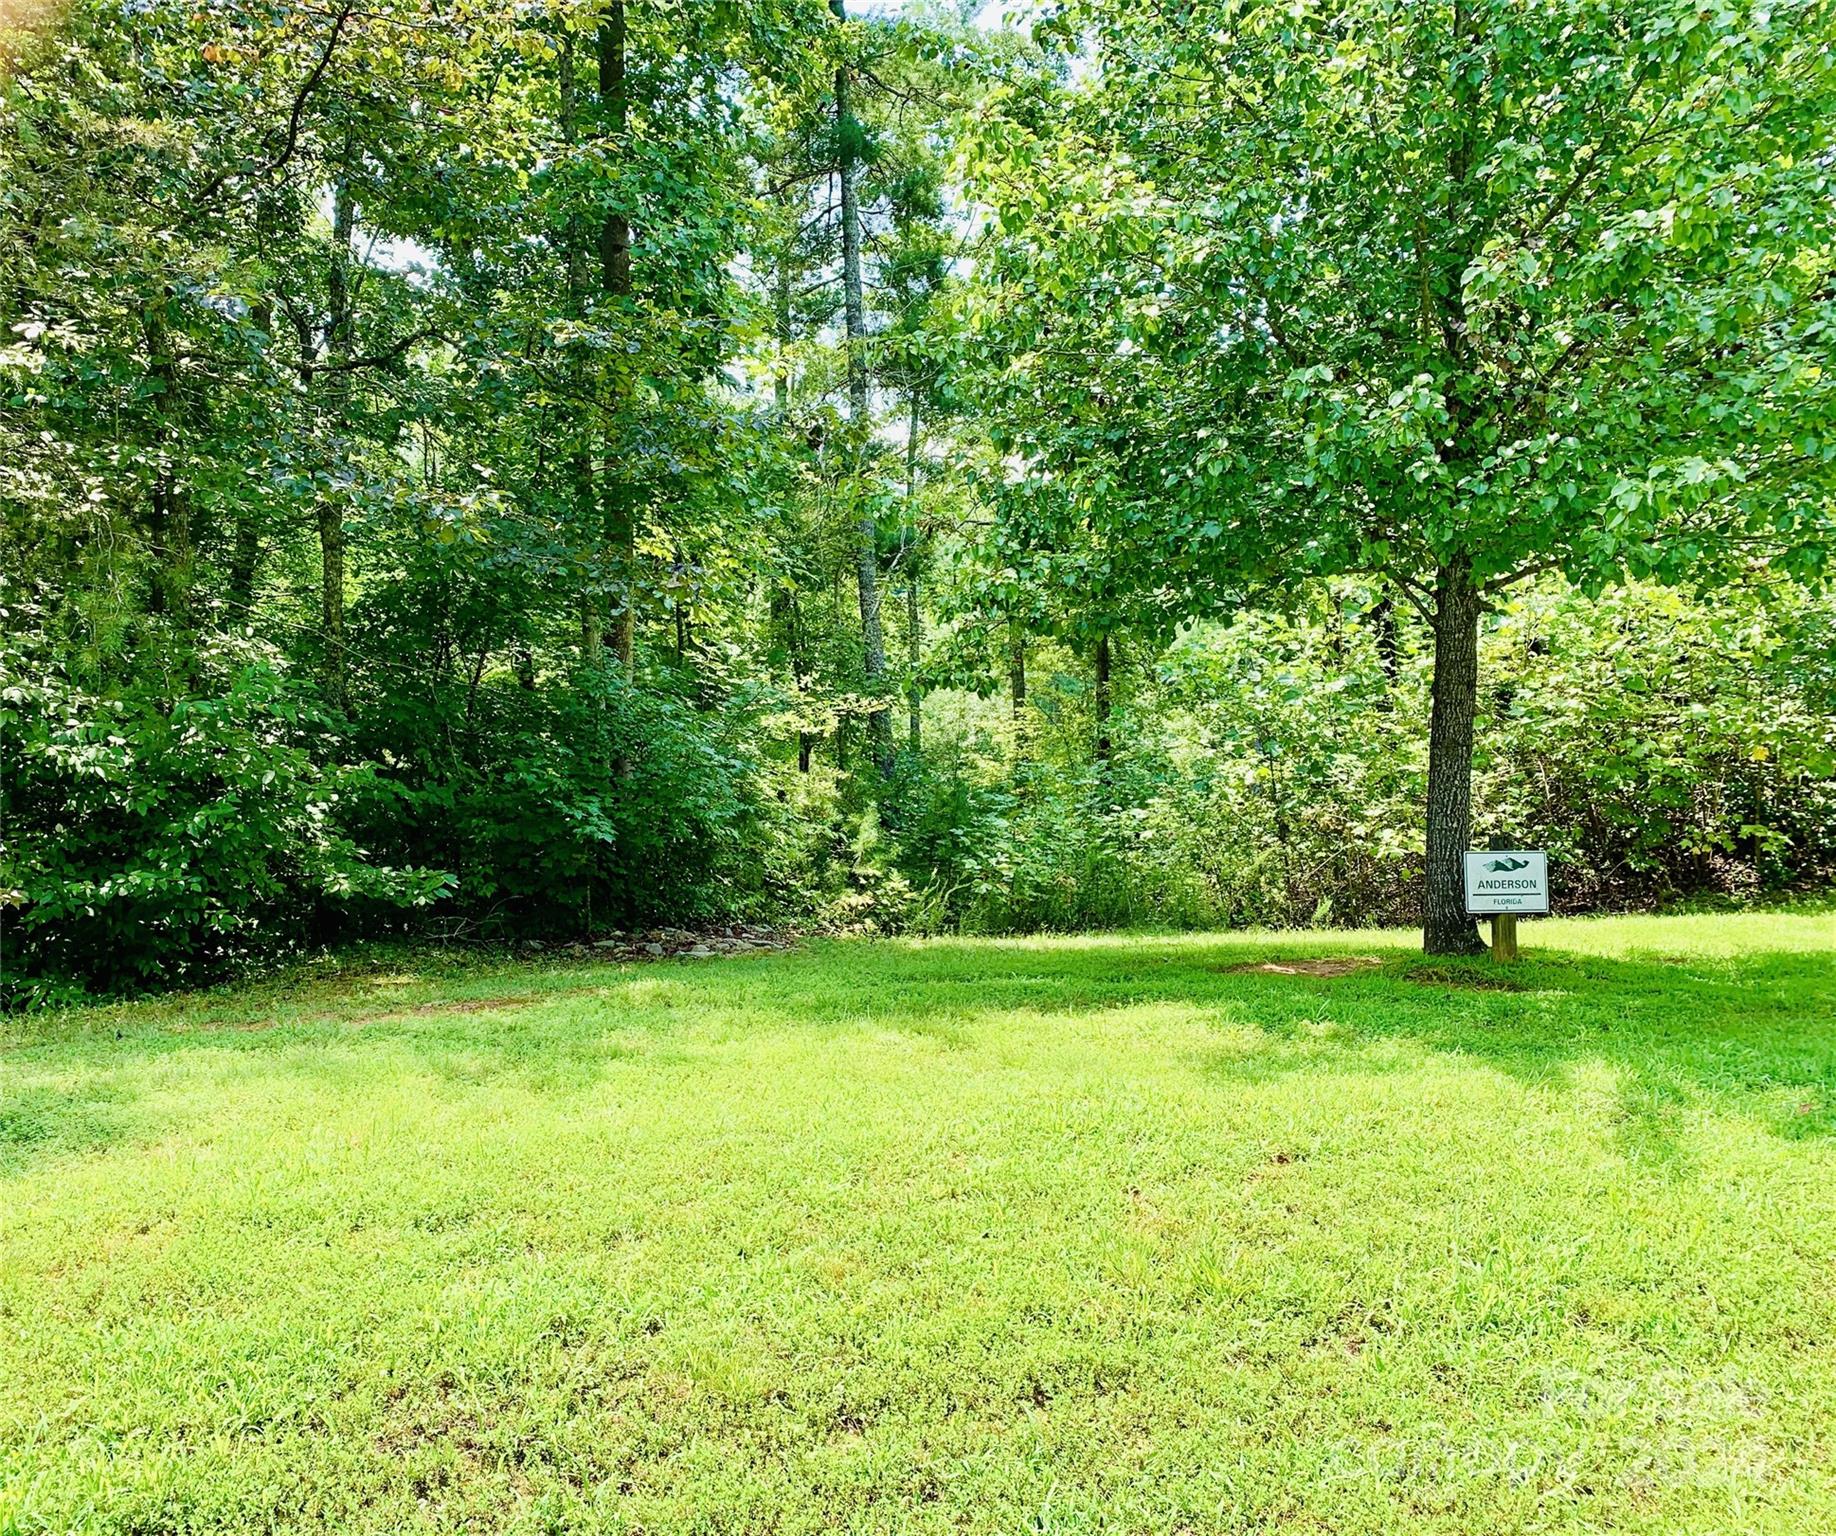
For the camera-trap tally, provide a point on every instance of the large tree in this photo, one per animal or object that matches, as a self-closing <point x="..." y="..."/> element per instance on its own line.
<point x="1454" y="293"/>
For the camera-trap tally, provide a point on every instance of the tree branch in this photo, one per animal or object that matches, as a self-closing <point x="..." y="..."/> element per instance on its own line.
<point x="1522" y="573"/>
<point x="295" y="118"/>
<point x="389" y="354"/>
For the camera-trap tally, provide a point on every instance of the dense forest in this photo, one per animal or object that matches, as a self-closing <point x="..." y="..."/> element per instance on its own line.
<point x="501" y="472"/>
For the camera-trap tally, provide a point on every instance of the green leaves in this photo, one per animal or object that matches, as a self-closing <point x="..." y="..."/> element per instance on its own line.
<point x="151" y="841"/>
<point x="1446" y="276"/>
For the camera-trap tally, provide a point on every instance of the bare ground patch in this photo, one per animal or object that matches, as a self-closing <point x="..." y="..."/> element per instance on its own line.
<point x="1461" y="976"/>
<point x="361" y="1016"/>
<point x="1328" y="966"/>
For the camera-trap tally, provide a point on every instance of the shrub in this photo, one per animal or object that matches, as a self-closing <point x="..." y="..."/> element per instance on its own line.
<point x="577" y="803"/>
<point x="1271" y="770"/>
<point x="151" y="841"/>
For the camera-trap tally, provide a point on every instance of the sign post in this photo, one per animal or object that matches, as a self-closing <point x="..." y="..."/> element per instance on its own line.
<point x="1504" y="936"/>
<point x="1501" y="883"/>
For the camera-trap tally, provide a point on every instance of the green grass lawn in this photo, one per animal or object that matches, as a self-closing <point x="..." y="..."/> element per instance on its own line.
<point x="1115" y="1234"/>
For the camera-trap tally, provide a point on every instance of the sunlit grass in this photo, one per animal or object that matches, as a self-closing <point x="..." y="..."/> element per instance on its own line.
<point x="1059" y="1234"/>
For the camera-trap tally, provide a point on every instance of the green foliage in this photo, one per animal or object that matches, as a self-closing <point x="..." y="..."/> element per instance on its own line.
<point x="1456" y="292"/>
<point x="1661" y="746"/>
<point x="1271" y="772"/>
<point x="578" y="803"/>
<point x="432" y="496"/>
<point x="1401" y="287"/>
<point x="156" y="839"/>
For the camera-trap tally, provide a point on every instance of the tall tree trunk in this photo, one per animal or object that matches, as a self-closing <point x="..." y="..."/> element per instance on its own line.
<point x="1383" y="621"/>
<point x="1016" y="685"/>
<point x="787" y="622"/>
<point x="1102" y="700"/>
<point x="615" y="279"/>
<point x="800" y="670"/>
<point x="914" y="689"/>
<point x="169" y="512"/>
<point x="781" y="396"/>
<point x="679" y="604"/>
<point x="580" y="459"/>
<point x="781" y="314"/>
<point x="335" y="392"/>
<point x="1446" y="929"/>
<point x="245" y="560"/>
<point x="245" y="549"/>
<point x="867" y="555"/>
<point x="331" y="597"/>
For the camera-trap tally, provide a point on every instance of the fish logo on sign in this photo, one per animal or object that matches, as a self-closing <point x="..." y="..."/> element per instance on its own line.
<point x="1506" y="866"/>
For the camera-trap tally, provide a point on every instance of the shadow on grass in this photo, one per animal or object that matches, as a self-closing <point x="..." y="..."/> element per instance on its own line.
<point x="1752" y="1034"/>
<point x="44" y="1120"/>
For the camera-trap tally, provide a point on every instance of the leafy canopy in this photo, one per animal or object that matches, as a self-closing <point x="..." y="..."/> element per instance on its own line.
<point x="1383" y="285"/>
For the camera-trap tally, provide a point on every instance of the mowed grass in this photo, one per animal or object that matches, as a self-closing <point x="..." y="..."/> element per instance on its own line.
<point x="1059" y="1235"/>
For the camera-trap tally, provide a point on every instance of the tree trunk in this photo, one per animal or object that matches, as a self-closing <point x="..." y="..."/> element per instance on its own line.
<point x="806" y="738"/>
<point x="1383" y="621"/>
<point x="867" y="554"/>
<point x="1016" y="686"/>
<point x="245" y="550"/>
<point x="340" y="347"/>
<point x="580" y="459"/>
<point x="615" y="279"/>
<point x="914" y="690"/>
<point x="679" y="606"/>
<point x="169" y="523"/>
<point x="169" y="514"/>
<point x="615" y="231"/>
<point x="245" y="560"/>
<point x="788" y="619"/>
<point x="1102" y="701"/>
<point x="1446" y="929"/>
<point x="781" y="308"/>
<point x="1016" y="668"/>
<point x="781" y="394"/>
<point x="331" y="596"/>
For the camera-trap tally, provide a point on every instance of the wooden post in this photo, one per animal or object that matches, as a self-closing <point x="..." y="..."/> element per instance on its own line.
<point x="1504" y="936"/>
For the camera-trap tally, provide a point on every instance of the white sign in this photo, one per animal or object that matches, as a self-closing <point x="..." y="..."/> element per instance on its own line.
<point x="1507" y="880"/>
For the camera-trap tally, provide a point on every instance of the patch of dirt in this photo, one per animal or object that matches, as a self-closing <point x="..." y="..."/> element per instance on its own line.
<point x="1460" y="976"/>
<point x="1327" y="965"/>
<point x="1278" y="1159"/>
<point x="474" y="1005"/>
<point x="369" y="1015"/>
<point x="673" y="943"/>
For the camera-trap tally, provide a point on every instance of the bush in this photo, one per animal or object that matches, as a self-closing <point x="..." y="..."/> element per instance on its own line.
<point x="1272" y="770"/>
<point x="1662" y="748"/>
<point x="147" y="841"/>
<point x="577" y="803"/>
<point x="1061" y="848"/>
